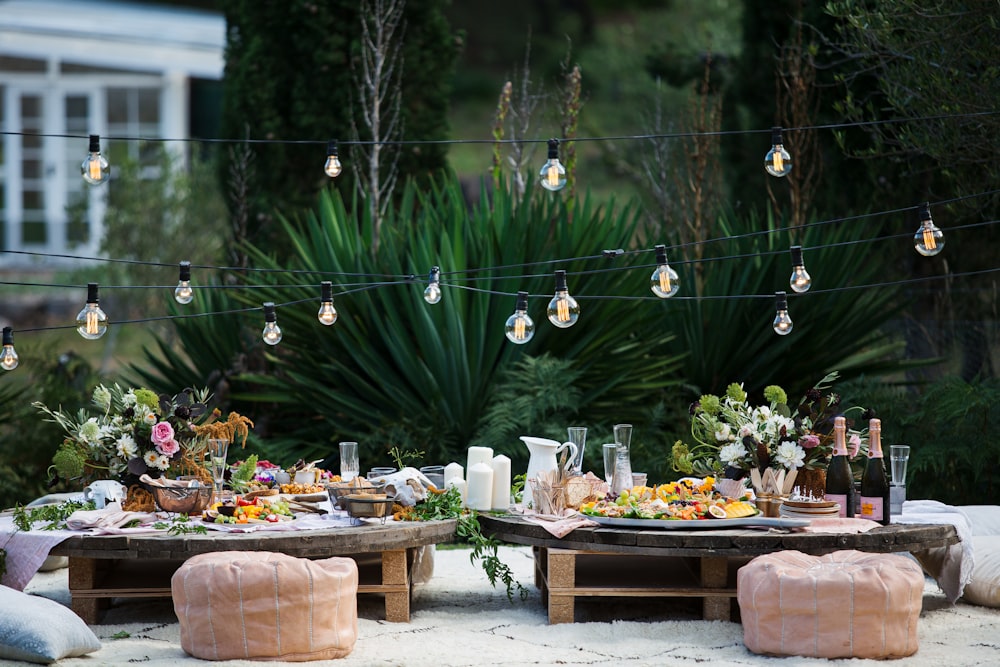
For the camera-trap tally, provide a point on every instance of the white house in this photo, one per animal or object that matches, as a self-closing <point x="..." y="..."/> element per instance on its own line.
<point x="73" y="68"/>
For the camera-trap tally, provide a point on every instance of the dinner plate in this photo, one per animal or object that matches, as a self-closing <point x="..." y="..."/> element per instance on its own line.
<point x="703" y="524"/>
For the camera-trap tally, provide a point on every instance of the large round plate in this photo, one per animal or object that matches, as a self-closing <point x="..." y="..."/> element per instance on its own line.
<point x="702" y="524"/>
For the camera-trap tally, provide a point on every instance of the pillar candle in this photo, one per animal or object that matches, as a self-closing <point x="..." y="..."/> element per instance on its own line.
<point x="478" y="455"/>
<point x="453" y="471"/>
<point x="458" y="484"/>
<point x="479" y="487"/>
<point x="501" y="482"/>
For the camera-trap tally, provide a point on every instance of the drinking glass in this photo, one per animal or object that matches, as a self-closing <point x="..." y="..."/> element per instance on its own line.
<point x="899" y="455"/>
<point x="218" y="449"/>
<point x="609" y="461"/>
<point x="349" y="466"/>
<point x="578" y="436"/>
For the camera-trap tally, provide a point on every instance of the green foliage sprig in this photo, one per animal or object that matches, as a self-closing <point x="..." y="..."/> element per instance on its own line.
<point x="400" y="456"/>
<point x="180" y="524"/>
<point x="54" y="515"/>
<point x="244" y="474"/>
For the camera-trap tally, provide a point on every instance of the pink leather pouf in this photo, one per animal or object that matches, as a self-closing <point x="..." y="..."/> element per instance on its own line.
<point x="266" y="606"/>
<point x="847" y="604"/>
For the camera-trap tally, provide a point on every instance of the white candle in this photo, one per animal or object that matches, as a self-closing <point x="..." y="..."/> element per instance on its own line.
<point x="458" y="484"/>
<point x="501" y="482"/>
<point x="479" y="455"/>
<point x="453" y="471"/>
<point x="479" y="489"/>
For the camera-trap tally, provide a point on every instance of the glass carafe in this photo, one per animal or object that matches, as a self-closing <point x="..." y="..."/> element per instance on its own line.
<point x="622" y="480"/>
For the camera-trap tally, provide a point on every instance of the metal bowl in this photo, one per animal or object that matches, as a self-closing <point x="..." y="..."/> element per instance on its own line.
<point x="359" y="507"/>
<point x="182" y="499"/>
<point x="338" y="490"/>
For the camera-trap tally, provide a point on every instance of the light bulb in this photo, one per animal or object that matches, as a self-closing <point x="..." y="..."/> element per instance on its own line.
<point x="95" y="169"/>
<point x="553" y="174"/>
<point x="183" y="294"/>
<point x="8" y="356"/>
<point x="563" y="309"/>
<point x="519" y="327"/>
<point x="332" y="166"/>
<point x="433" y="292"/>
<point x="929" y="239"/>
<point x="271" y="334"/>
<point x="663" y="282"/>
<point x="777" y="162"/>
<point x="800" y="281"/>
<point x="782" y="322"/>
<point x="327" y="313"/>
<point x="92" y="322"/>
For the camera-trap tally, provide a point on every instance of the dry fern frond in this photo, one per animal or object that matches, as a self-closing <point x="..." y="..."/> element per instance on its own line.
<point x="235" y="426"/>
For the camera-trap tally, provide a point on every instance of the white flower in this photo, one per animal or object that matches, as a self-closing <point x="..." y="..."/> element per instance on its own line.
<point x="732" y="453"/>
<point x="746" y="430"/>
<point x="790" y="455"/>
<point x="146" y="415"/>
<point x="128" y="399"/>
<point x="102" y="397"/>
<point x="722" y="432"/>
<point x="125" y="446"/>
<point x="90" y="431"/>
<point x="762" y="413"/>
<point x="156" y="460"/>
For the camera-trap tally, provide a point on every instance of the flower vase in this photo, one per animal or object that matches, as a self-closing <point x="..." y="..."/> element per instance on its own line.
<point x="810" y="483"/>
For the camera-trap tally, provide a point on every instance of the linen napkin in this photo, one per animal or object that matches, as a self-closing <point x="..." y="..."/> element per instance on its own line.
<point x="560" y="525"/>
<point x="950" y="566"/>
<point x="839" y="525"/>
<point x="110" y="520"/>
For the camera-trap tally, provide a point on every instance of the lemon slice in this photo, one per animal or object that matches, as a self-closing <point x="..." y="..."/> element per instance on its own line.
<point x="717" y="512"/>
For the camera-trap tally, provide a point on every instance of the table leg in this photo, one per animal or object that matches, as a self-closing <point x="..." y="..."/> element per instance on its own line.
<point x="561" y="576"/>
<point x="714" y="574"/>
<point x="395" y="572"/>
<point x="83" y="575"/>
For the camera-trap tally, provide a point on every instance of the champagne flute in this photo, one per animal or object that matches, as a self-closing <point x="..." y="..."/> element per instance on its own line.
<point x="218" y="449"/>
<point x="609" y="449"/>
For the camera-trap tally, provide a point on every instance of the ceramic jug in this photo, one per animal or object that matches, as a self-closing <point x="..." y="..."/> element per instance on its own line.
<point x="542" y="454"/>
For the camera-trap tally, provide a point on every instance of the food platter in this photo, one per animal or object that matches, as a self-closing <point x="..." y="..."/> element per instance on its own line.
<point x="699" y="524"/>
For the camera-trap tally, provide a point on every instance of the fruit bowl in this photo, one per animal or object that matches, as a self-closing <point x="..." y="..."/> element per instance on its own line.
<point x="182" y="499"/>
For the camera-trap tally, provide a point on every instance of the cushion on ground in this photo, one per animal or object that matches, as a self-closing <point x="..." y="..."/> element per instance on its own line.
<point x="841" y="605"/>
<point x="36" y="629"/>
<point x="984" y="588"/>
<point x="266" y="606"/>
<point x="983" y="519"/>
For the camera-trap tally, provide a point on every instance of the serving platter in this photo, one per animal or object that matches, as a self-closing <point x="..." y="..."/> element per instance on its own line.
<point x="701" y="524"/>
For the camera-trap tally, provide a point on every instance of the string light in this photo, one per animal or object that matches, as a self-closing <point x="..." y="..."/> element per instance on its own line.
<point x="8" y="356"/>
<point x="929" y="239"/>
<point x="271" y="333"/>
<point x="520" y="328"/>
<point x="782" y="321"/>
<point x="95" y="168"/>
<point x="332" y="166"/>
<point x="553" y="174"/>
<point x="664" y="281"/>
<point x="800" y="281"/>
<point x="183" y="294"/>
<point x="563" y="309"/>
<point x="327" y="314"/>
<point x="92" y="322"/>
<point x="777" y="162"/>
<point x="432" y="294"/>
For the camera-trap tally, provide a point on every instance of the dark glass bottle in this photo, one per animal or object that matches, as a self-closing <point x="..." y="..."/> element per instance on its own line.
<point x="874" y="481"/>
<point x="839" y="480"/>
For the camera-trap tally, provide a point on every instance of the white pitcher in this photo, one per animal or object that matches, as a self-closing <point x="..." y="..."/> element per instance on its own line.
<point x="542" y="454"/>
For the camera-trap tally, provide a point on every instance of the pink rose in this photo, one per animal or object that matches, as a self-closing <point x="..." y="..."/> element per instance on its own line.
<point x="855" y="445"/>
<point x="809" y="441"/>
<point x="168" y="448"/>
<point x="162" y="432"/>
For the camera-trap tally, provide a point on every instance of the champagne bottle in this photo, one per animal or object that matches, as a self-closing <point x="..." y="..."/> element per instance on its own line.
<point x="839" y="480"/>
<point x="874" y="481"/>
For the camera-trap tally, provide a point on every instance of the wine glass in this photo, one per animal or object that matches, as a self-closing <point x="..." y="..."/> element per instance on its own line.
<point x="218" y="449"/>
<point x="609" y="449"/>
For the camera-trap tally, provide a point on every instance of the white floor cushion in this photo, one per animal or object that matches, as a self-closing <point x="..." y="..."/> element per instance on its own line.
<point x="36" y="629"/>
<point x="984" y="589"/>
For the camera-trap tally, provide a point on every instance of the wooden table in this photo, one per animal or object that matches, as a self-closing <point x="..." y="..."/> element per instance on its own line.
<point x="102" y="567"/>
<point x="628" y="562"/>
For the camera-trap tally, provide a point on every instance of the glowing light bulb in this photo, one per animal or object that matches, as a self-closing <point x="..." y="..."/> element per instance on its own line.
<point x="782" y="321"/>
<point x="433" y="292"/>
<point x="664" y="281"/>
<point x="8" y="356"/>
<point x="553" y="174"/>
<point x="92" y="322"/>
<point x="272" y="333"/>
<point x="332" y="166"/>
<point x="800" y="281"/>
<point x="563" y="310"/>
<point x="95" y="168"/>
<point x="183" y="293"/>
<point x="327" y="313"/>
<point x="929" y="239"/>
<point x="520" y="328"/>
<point x="777" y="162"/>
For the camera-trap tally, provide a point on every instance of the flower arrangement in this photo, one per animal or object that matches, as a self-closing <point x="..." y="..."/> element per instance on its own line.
<point x="135" y="432"/>
<point x="734" y="437"/>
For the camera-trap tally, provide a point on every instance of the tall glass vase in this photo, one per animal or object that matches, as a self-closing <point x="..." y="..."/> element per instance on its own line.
<point x="218" y="449"/>
<point x="622" y="479"/>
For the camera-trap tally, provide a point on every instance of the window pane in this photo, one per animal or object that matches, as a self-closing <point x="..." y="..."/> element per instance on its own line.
<point x="33" y="232"/>
<point x="149" y="106"/>
<point x="10" y="64"/>
<point x="118" y="112"/>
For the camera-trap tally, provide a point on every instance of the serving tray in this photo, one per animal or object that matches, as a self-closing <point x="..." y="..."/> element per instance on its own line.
<point x="702" y="524"/>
